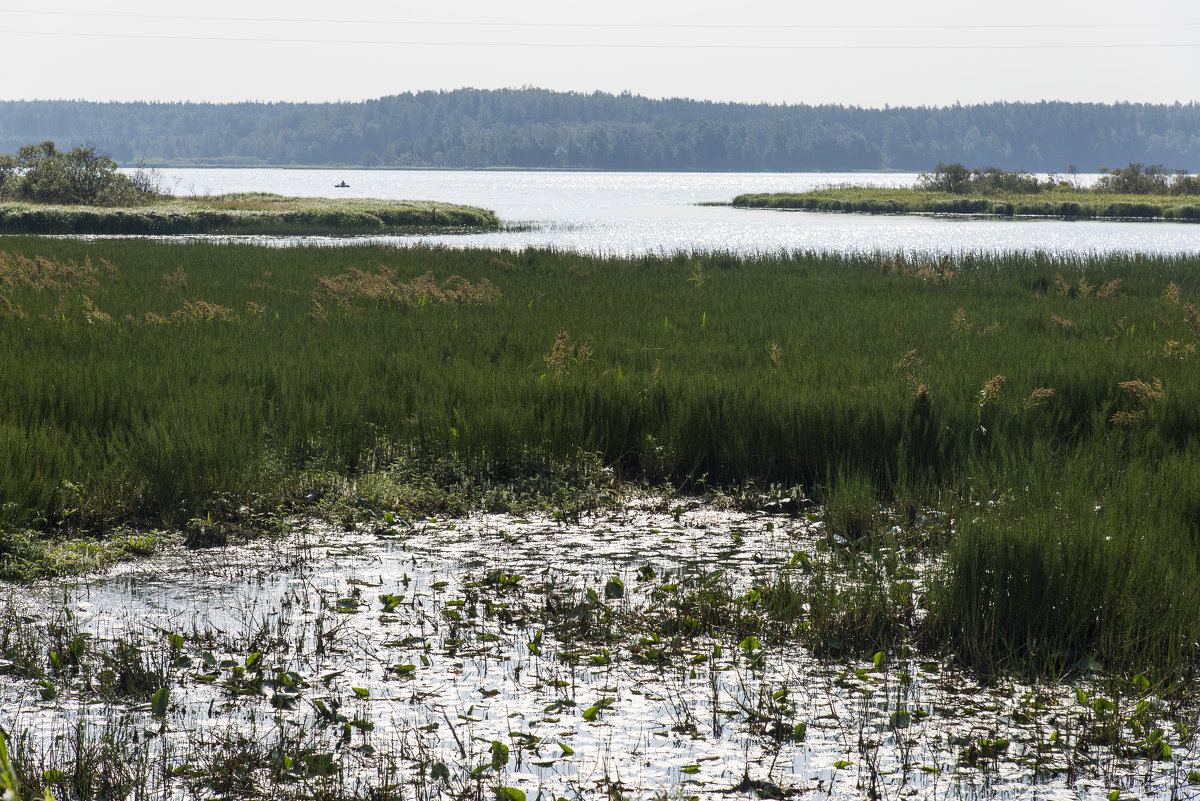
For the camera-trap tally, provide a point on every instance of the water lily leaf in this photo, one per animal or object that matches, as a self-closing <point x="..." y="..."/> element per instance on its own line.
<point x="158" y="703"/>
<point x="509" y="794"/>
<point x="499" y="754"/>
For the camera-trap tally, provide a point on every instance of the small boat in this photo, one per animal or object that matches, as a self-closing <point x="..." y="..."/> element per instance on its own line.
<point x="342" y="185"/>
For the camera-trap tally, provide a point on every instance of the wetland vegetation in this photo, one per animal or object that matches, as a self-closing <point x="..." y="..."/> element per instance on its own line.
<point x="1136" y="192"/>
<point x="773" y="485"/>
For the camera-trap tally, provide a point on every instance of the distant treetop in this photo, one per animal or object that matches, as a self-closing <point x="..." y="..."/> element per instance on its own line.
<point x="539" y="129"/>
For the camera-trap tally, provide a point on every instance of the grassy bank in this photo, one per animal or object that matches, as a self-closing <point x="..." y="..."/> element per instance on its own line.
<point x="1048" y="408"/>
<point x="1074" y="204"/>
<point x="246" y="213"/>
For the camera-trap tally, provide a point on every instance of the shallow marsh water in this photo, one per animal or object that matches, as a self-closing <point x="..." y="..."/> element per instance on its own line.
<point x="494" y="652"/>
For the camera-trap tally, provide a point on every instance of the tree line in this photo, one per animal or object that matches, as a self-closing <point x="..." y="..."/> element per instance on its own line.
<point x="535" y="128"/>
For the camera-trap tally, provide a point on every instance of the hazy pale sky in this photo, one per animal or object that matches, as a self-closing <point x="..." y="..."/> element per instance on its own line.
<point x="860" y="52"/>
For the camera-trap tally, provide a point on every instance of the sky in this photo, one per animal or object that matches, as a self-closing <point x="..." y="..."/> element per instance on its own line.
<point x="853" y="52"/>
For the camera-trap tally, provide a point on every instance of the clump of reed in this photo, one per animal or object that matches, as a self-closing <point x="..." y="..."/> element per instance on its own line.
<point x="355" y="284"/>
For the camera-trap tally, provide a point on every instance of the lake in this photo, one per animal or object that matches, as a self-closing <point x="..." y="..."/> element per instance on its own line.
<point x="638" y="213"/>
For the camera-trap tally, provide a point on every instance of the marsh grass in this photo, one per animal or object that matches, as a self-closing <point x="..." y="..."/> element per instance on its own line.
<point x="204" y="387"/>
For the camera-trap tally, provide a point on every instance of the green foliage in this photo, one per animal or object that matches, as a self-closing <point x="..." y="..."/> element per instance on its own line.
<point x="43" y="174"/>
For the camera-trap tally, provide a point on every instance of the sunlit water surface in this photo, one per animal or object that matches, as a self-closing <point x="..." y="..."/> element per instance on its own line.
<point x="466" y="658"/>
<point x="639" y="213"/>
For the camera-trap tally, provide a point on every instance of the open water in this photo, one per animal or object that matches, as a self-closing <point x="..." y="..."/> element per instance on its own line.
<point x="638" y="213"/>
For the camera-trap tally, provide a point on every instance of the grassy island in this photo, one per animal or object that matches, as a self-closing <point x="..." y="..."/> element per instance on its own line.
<point x="46" y="191"/>
<point x="1013" y="195"/>
<point x="246" y="213"/>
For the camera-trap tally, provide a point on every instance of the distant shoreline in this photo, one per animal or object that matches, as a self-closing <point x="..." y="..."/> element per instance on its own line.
<point x="1079" y="204"/>
<point x="336" y="167"/>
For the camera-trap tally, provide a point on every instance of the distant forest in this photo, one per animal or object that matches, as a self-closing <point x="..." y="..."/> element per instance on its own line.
<point x="534" y="128"/>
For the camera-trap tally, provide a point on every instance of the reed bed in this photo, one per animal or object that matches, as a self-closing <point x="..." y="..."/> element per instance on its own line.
<point x="1048" y="406"/>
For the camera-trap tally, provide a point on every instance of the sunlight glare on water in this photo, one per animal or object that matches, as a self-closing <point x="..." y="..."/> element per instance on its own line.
<point x="470" y="656"/>
<point x="641" y="213"/>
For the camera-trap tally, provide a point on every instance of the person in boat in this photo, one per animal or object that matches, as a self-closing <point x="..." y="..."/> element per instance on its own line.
<point x="342" y="185"/>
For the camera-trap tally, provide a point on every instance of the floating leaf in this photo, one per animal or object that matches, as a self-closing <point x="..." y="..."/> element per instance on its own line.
<point x="158" y="703"/>
<point x="842" y="763"/>
<point x="509" y="794"/>
<point x="361" y="692"/>
<point x="499" y="754"/>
